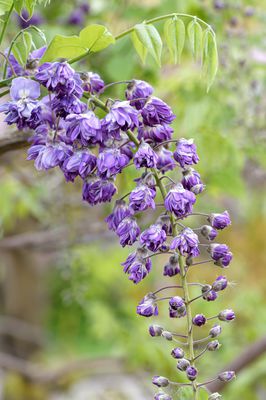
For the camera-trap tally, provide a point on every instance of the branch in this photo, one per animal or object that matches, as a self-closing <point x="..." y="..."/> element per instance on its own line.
<point x="13" y="140"/>
<point x="34" y="372"/>
<point x="250" y="355"/>
<point x="22" y="330"/>
<point x="55" y="239"/>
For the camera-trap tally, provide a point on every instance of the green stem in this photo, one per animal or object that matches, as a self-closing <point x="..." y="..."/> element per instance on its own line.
<point x="149" y="21"/>
<point x="6" y="23"/>
<point x="161" y="18"/>
<point x="4" y="93"/>
<point x="5" y="82"/>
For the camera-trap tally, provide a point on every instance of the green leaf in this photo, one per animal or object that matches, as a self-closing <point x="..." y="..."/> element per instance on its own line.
<point x="96" y="37"/>
<point x="93" y="38"/>
<point x="22" y="47"/>
<point x="140" y="49"/>
<point x="203" y="394"/>
<point x="210" y="57"/>
<point x="151" y="40"/>
<point x="175" y="34"/>
<point x="5" y="6"/>
<point x="195" y="38"/>
<point x="28" y="5"/>
<point x="184" y="393"/>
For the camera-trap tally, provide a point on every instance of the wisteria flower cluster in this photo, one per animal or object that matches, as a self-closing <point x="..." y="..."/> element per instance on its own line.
<point x="61" y="105"/>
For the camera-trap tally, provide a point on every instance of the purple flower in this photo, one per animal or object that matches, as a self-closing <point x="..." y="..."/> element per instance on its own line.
<point x="165" y="160"/>
<point x="153" y="237"/>
<point x="84" y="127"/>
<point x="121" y="116"/>
<point x="186" y="152"/>
<point x="220" y="221"/>
<point x="179" y="201"/>
<point x="156" y="112"/>
<point x="160" y="381"/>
<point x="187" y="242"/>
<point x="147" y="307"/>
<point x="49" y="155"/>
<point x="192" y="373"/>
<point x="137" y="265"/>
<point x="199" y="320"/>
<point x="226" y="315"/>
<point x="172" y="267"/>
<point x="220" y="254"/>
<point x="24" y="110"/>
<point x="59" y="77"/>
<point x="24" y="21"/>
<point x="220" y="283"/>
<point x="92" y="82"/>
<point x="141" y="198"/>
<point x="162" y="396"/>
<point x="120" y="212"/>
<point x="67" y="104"/>
<point x="177" y="353"/>
<point x="81" y="162"/>
<point x="138" y="90"/>
<point x="227" y="376"/>
<point x="76" y="17"/>
<point x="156" y="133"/>
<point x="128" y="231"/>
<point x="191" y="181"/>
<point x="96" y="190"/>
<point x="111" y="162"/>
<point x="208" y="232"/>
<point x="145" y="156"/>
<point x="155" y="330"/>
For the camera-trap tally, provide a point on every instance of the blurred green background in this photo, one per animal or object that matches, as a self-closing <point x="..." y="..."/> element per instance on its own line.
<point x="60" y="269"/>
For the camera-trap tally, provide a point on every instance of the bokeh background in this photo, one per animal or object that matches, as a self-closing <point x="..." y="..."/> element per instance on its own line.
<point x="68" y="328"/>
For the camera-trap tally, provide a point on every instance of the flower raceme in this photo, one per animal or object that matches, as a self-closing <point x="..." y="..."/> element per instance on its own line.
<point x="61" y="106"/>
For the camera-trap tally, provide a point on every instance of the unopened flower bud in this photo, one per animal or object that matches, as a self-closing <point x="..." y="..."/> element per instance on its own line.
<point x="208" y="294"/>
<point x="215" y="331"/>
<point x="164" y="248"/>
<point x="183" y="364"/>
<point x="155" y="330"/>
<point x="219" y="221"/>
<point x="172" y="267"/>
<point x="215" y="396"/>
<point x="199" y="320"/>
<point x="227" y="376"/>
<point x="179" y="313"/>
<point x="176" y="302"/>
<point x="213" y="345"/>
<point x="219" y="4"/>
<point x="220" y="283"/>
<point x="162" y="396"/>
<point x="164" y="221"/>
<point x="160" y="381"/>
<point x="189" y="261"/>
<point x="208" y="232"/>
<point x="226" y="315"/>
<point x="167" y="335"/>
<point x="192" y="373"/>
<point x="178" y="353"/>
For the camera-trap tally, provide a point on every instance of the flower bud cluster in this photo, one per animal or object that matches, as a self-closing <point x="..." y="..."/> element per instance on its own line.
<point x="60" y="105"/>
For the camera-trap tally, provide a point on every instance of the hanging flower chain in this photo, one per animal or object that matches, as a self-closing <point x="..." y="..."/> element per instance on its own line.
<point x="60" y="105"/>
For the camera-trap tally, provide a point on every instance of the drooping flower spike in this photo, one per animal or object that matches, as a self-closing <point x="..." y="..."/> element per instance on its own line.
<point x="135" y="132"/>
